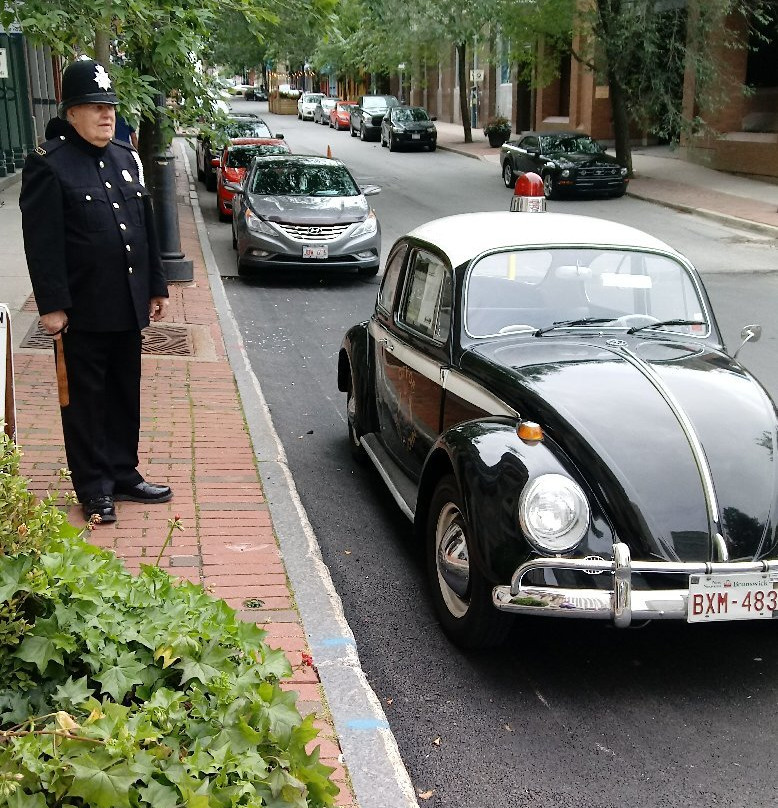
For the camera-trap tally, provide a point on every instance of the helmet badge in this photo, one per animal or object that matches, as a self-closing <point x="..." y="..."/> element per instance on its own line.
<point x="102" y="79"/>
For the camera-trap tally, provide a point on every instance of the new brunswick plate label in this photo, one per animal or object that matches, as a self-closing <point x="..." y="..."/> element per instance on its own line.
<point x="745" y="596"/>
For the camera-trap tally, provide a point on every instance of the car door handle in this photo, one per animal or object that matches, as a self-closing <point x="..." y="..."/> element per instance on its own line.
<point x="387" y="344"/>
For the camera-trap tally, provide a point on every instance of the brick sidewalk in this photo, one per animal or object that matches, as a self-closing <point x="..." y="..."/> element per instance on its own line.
<point x="193" y="438"/>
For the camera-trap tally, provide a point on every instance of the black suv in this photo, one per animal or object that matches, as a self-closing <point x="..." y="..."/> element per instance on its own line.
<point x="367" y="115"/>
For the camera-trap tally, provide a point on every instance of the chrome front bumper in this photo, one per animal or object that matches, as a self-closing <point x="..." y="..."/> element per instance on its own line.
<point x="621" y="603"/>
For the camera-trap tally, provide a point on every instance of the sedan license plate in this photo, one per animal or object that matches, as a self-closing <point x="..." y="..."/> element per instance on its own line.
<point x="318" y="251"/>
<point x="415" y="137"/>
<point x="745" y="596"/>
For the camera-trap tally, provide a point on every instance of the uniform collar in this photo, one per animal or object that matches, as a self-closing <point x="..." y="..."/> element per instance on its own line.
<point x="85" y="145"/>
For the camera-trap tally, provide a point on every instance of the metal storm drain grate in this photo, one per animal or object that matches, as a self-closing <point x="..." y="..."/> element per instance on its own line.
<point x="158" y="339"/>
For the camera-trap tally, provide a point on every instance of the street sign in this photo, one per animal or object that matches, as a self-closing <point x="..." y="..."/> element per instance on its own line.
<point x="476" y="75"/>
<point x="3" y="64"/>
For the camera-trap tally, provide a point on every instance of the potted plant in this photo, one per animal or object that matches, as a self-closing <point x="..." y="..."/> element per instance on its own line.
<point x="498" y="130"/>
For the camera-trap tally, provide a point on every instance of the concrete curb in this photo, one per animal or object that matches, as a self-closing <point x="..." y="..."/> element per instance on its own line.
<point x="721" y="218"/>
<point x="378" y="776"/>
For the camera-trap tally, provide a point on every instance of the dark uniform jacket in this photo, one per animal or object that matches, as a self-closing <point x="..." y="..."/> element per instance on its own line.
<point x="89" y="234"/>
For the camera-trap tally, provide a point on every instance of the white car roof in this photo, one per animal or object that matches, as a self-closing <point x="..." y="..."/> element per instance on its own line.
<point x="466" y="235"/>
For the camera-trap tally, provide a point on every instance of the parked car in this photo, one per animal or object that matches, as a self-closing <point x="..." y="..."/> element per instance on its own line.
<point x="340" y="115"/>
<point x="238" y="126"/>
<point x="408" y="126"/>
<point x="306" y="105"/>
<point x="321" y="113"/>
<point x="233" y="164"/>
<point x="568" y="162"/>
<point x="304" y="212"/>
<point x="365" y="119"/>
<point x="551" y="403"/>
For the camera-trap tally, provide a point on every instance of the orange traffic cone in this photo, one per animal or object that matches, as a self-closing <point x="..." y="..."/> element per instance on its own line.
<point x="329" y="152"/>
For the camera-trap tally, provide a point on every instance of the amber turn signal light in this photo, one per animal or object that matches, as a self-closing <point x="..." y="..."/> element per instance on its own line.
<point x="529" y="430"/>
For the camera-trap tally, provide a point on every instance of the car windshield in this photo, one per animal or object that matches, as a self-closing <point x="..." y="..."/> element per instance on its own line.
<point x="411" y="114"/>
<point x="247" y="129"/>
<point x="527" y="290"/>
<point x="327" y="103"/>
<point x="241" y="156"/>
<point x="346" y="107"/>
<point x="303" y="179"/>
<point x="379" y="103"/>
<point x="569" y="145"/>
<point x="312" y="98"/>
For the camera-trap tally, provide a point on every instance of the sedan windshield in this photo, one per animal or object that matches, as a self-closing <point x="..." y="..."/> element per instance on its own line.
<point x="303" y="179"/>
<point x="241" y="156"/>
<point x="247" y="129"/>
<point x="570" y="145"/>
<point x="411" y="114"/>
<point x="532" y="290"/>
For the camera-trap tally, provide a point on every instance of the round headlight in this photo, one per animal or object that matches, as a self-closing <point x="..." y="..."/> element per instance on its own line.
<point x="566" y="172"/>
<point x="553" y="513"/>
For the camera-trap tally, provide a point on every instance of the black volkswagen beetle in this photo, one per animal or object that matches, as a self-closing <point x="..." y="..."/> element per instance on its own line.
<point x="549" y="400"/>
<point x="568" y="162"/>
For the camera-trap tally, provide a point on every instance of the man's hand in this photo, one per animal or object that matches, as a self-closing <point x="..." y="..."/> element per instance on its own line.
<point x="158" y="308"/>
<point x="54" y="323"/>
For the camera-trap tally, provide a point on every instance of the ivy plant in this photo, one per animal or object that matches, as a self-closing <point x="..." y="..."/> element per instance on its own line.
<point x="122" y="691"/>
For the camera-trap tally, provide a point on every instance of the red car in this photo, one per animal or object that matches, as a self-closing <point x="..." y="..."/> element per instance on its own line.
<point x="340" y="114"/>
<point x="235" y="160"/>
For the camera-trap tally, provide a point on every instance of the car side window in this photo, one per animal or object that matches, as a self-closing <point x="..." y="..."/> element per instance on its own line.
<point x="391" y="276"/>
<point x="428" y="297"/>
<point x="529" y="143"/>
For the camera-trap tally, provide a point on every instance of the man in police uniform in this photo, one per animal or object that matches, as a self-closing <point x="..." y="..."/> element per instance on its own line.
<point x="97" y="276"/>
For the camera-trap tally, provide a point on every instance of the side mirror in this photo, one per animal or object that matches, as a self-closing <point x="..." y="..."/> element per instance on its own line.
<point x="433" y="117"/>
<point x="278" y="136"/>
<point x="370" y="190"/>
<point x="234" y="188"/>
<point x="750" y="333"/>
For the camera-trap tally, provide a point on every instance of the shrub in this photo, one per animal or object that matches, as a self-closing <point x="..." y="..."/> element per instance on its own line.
<point x="497" y="126"/>
<point x="119" y="691"/>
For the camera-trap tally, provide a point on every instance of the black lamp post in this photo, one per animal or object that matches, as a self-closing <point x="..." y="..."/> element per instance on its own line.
<point x="163" y="193"/>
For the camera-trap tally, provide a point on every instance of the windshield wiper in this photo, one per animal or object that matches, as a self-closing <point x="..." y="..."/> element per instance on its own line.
<point x="580" y="321"/>
<point x="637" y="328"/>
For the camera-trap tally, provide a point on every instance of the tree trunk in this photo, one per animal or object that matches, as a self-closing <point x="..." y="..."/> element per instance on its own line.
<point x="620" y="123"/>
<point x="464" y="107"/>
<point x="103" y="47"/>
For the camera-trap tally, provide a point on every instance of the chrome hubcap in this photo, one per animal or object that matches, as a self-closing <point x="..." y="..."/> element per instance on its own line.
<point x="452" y="558"/>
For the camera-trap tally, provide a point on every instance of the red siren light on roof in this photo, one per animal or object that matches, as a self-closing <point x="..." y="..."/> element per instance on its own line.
<point x="528" y="197"/>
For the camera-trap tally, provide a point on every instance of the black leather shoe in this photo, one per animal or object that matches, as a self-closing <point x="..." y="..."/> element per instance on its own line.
<point x="142" y="492"/>
<point x="99" y="506"/>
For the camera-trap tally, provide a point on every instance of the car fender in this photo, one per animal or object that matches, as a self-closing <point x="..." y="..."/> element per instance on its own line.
<point x="355" y="362"/>
<point x="492" y="465"/>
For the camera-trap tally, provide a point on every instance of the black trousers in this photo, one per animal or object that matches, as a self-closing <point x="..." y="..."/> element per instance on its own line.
<point x="101" y="424"/>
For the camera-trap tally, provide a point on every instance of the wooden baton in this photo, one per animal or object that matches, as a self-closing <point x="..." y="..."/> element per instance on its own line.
<point x="62" y="374"/>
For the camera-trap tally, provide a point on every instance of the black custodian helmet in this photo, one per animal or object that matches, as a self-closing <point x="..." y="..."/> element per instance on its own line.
<point x="86" y="82"/>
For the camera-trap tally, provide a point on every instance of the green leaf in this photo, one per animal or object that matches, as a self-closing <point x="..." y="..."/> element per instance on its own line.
<point x="159" y="796"/>
<point x="13" y="572"/>
<point x="122" y="676"/>
<point x="20" y="799"/>
<point x="209" y="665"/>
<point x="73" y="692"/>
<point x="101" y="788"/>
<point x="39" y="651"/>
<point x="275" y="663"/>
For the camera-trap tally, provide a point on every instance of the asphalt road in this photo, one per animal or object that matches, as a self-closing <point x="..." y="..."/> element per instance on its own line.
<point x="567" y="713"/>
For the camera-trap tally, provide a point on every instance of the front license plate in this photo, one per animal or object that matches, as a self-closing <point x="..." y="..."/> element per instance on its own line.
<point x="315" y="252"/>
<point x="416" y="137"/>
<point x="745" y="596"/>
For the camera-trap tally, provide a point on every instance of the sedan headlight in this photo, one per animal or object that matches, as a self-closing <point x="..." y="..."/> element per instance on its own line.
<point x="398" y="128"/>
<point x="553" y="513"/>
<point x="368" y="226"/>
<point x="566" y="172"/>
<point x="256" y="225"/>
